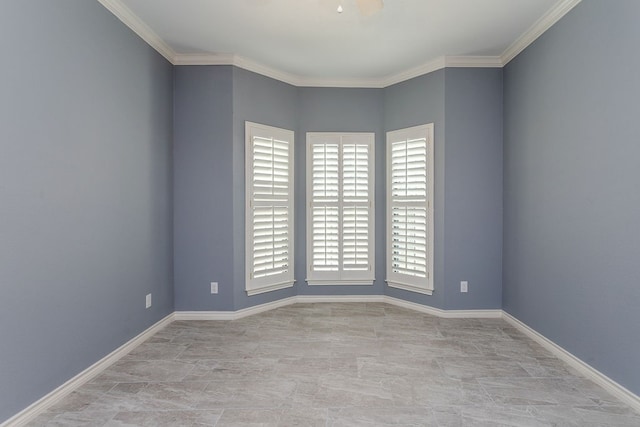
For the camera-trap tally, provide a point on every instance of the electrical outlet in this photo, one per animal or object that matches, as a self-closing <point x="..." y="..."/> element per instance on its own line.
<point x="464" y="286"/>
<point x="148" y="301"/>
<point x="214" y="287"/>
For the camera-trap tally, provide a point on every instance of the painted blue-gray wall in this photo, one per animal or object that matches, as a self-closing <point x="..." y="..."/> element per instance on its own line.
<point x="203" y="187"/>
<point x="209" y="177"/>
<point x="340" y="110"/>
<point x="257" y="99"/>
<point x="212" y="104"/>
<point x="85" y="192"/>
<point x="473" y="188"/>
<point x="416" y="102"/>
<point x="465" y="106"/>
<point x="571" y="199"/>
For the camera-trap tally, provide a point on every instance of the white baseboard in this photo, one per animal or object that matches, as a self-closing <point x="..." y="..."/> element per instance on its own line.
<point x="584" y="368"/>
<point x="311" y="299"/>
<point x="447" y="314"/>
<point x="41" y="405"/>
<point x="233" y="315"/>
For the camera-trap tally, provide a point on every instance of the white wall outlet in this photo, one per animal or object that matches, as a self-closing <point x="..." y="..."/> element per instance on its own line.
<point x="214" y="287"/>
<point x="148" y="301"/>
<point x="464" y="286"/>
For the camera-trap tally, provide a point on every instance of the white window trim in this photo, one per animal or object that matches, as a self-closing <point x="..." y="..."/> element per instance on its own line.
<point x="403" y="281"/>
<point x="341" y="278"/>
<point x="254" y="286"/>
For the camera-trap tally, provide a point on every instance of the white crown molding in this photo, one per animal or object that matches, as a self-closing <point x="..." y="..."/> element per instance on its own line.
<point x="300" y="81"/>
<point x="132" y="21"/>
<point x="426" y="68"/>
<point x="203" y="59"/>
<point x="236" y="60"/>
<point x="579" y="365"/>
<point x="537" y="29"/>
<point x="345" y="83"/>
<point x="473" y="61"/>
<point x="148" y="35"/>
<point x="256" y="67"/>
<point x="32" y="411"/>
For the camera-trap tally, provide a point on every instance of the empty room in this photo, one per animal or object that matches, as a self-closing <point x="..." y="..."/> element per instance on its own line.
<point x="319" y="213"/>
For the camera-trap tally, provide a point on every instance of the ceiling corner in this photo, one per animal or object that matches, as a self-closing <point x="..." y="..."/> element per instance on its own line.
<point x="537" y="29"/>
<point x="128" y="18"/>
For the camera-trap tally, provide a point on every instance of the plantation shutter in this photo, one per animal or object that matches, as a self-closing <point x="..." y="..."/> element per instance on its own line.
<point x="340" y="213"/>
<point x="410" y="225"/>
<point x="355" y="224"/>
<point x="325" y="210"/>
<point x="270" y="208"/>
<point x="408" y="220"/>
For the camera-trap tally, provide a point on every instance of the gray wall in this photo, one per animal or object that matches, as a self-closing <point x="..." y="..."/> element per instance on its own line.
<point x="85" y="192"/>
<point x="203" y="187"/>
<point x="473" y="188"/>
<point x="412" y="103"/>
<point x="340" y="110"/>
<point x="465" y="106"/>
<point x="209" y="177"/>
<point x="571" y="199"/>
<point x="212" y="104"/>
<point x="257" y="99"/>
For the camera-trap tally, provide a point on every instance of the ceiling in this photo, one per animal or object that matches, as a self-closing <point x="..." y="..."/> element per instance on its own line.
<point x="307" y="41"/>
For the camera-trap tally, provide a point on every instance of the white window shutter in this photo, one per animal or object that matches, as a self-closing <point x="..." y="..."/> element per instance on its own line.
<point x="269" y="212"/>
<point x="340" y="241"/>
<point x="409" y="208"/>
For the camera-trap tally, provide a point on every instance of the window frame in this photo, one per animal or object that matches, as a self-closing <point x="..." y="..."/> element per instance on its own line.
<point x="254" y="286"/>
<point x="341" y="277"/>
<point x="395" y="279"/>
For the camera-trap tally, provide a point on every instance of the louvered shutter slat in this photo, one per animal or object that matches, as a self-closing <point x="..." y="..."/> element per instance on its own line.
<point x="271" y="241"/>
<point x="325" y="238"/>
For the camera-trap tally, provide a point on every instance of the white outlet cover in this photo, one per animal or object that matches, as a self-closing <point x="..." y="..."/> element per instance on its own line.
<point x="464" y="286"/>
<point x="214" y="287"/>
<point x="148" y="301"/>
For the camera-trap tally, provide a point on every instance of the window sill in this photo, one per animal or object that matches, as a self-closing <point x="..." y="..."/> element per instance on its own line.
<point x="270" y="288"/>
<point x="408" y="287"/>
<point x="365" y="282"/>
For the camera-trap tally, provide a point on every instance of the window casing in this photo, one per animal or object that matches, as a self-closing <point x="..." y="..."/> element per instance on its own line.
<point x="340" y="208"/>
<point x="410" y="227"/>
<point x="269" y="208"/>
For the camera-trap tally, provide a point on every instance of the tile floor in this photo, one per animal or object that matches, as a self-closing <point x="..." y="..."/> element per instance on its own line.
<point x="340" y="365"/>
